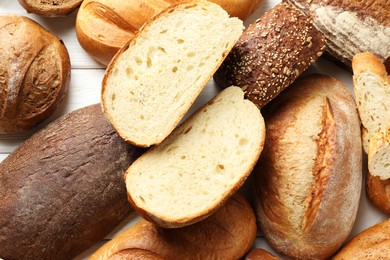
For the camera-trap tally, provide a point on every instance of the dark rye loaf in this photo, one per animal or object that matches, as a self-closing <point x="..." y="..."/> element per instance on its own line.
<point x="62" y="189"/>
<point x="271" y="54"/>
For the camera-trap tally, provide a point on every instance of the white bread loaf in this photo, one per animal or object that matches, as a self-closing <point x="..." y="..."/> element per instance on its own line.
<point x="200" y="165"/>
<point x="153" y="80"/>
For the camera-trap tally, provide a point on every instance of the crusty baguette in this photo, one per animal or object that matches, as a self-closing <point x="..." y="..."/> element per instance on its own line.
<point x="53" y="8"/>
<point x="151" y="83"/>
<point x="351" y="26"/>
<point x="378" y="191"/>
<point x="371" y="244"/>
<point x="103" y="26"/>
<point x="62" y="190"/>
<point x="34" y="73"/>
<point x="260" y="254"/>
<point x="308" y="178"/>
<point x="205" y="160"/>
<point x="227" y="234"/>
<point x="271" y="54"/>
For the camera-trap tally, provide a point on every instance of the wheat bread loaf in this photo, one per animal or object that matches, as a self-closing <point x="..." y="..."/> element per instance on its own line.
<point x="50" y="8"/>
<point x="62" y="190"/>
<point x="271" y="53"/>
<point x="227" y="234"/>
<point x="104" y="26"/>
<point x="200" y="165"/>
<point x="153" y="80"/>
<point x="308" y="177"/>
<point x="34" y="73"/>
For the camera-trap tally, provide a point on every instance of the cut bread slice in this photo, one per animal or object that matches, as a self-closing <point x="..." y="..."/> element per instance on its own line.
<point x="153" y="80"/>
<point x="379" y="154"/>
<point x="203" y="162"/>
<point x="372" y="92"/>
<point x="52" y="8"/>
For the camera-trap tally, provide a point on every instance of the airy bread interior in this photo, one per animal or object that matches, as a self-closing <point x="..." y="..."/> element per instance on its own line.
<point x="379" y="154"/>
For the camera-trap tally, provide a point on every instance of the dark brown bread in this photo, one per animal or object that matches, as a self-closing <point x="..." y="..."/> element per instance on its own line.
<point x="308" y="177"/>
<point x="34" y="73"/>
<point x="271" y="54"/>
<point x="62" y="189"/>
<point x="378" y="191"/>
<point x="50" y="8"/>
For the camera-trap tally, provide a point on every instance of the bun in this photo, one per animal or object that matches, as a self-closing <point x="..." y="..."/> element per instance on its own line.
<point x="308" y="178"/>
<point x="227" y="234"/>
<point x="50" y="8"/>
<point x="271" y="54"/>
<point x="34" y="72"/>
<point x="62" y="190"/>
<point x="153" y="80"/>
<point x="200" y="165"/>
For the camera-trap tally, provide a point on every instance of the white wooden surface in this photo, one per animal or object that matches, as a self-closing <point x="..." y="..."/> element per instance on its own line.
<point x="85" y="86"/>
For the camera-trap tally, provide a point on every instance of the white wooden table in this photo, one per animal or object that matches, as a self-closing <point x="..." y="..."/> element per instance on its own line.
<point x="84" y="89"/>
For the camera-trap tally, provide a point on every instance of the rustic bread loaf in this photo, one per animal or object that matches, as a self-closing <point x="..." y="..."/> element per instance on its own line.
<point x="227" y="234"/>
<point x="378" y="191"/>
<point x="62" y="189"/>
<point x="204" y="161"/>
<point x="155" y="78"/>
<point x="372" y="243"/>
<point x="50" y="8"/>
<point x="308" y="178"/>
<point x="271" y="54"/>
<point x="350" y="26"/>
<point x="103" y="27"/>
<point x="260" y="254"/>
<point x="34" y="73"/>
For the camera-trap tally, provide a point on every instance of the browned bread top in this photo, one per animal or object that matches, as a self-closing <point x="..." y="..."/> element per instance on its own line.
<point x="50" y="8"/>
<point x="260" y="254"/>
<point x="34" y="73"/>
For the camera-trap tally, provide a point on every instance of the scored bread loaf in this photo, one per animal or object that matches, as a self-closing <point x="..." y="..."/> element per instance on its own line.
<point x="271" y="53"/>
<point x="153" y="80"/>
<point x="103" y="26"/>
<point x="308" y="177"/>
<point x="227" y="234"/>
<point x="350" y="26"/>
<point x="52" y="8"/>
<point x="62" y="190"/>
<point x="200" y="165"/>
<point x="34" y="73"/>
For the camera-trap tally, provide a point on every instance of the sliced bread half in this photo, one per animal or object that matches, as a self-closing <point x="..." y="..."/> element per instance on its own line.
<point x="200" y="165"/>
<point x="379" y="154"/>
<point x="153" y="80"/>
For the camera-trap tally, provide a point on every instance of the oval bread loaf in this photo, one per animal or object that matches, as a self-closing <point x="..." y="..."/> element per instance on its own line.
<point x="227" y="234"/>
<point x="51" y="8"/>
<point x="308" y="178"/>
<point x="62" y="190"/>
<point x="34" y="73"/>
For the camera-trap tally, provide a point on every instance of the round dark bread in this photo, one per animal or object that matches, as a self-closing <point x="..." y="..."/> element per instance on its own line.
<point x="52" y="8"/>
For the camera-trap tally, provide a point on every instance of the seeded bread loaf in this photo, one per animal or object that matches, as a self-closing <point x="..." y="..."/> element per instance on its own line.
<point x="200" y="165"/>
<point x="308" y="178"/>
<point x="227" y="234"/>
<point x="62" y="190"/>
<point x="351" y="26"/>
<point x="153" y="80"/>
<point x="271" y="54"/>
<point x="50" y="8"/>
<point x="34" y="73"/>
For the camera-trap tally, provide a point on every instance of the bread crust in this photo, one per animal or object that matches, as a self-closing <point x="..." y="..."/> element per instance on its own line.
<point x="378" y="191"/>
<point x="35" y="73"/>
<point x="50" y="8"/>
<point x="298" y="213"/>
<point x="260" y="254"/>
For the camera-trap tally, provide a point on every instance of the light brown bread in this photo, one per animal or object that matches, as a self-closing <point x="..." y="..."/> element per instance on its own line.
<point x="379" y="154"/>
<point x="308" y="178"/>
<point x="227" y="234"/>
<point x="351" y="26"/>
<point x="200" y="165"/>
<point x="260" y="254"/>
<point x="371" y="244"/>
<point x="153" y="80"/>
<point x="378" y="191"/>
<point x="50" y="8"/>
<point x="34" y="73"/>
<point x="62" y="190"/>
<point x="271" y="54"/>
<point x="104" y="26"/>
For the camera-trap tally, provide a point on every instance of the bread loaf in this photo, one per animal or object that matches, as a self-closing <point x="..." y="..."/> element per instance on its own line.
<point x="200" y="165"/>
<point x="62" y="189"/>
<point x="103" y="27"/>
<point x="379" y="154"/>
<point x="227" y="234"/>
<point x="155" y="78"/>
<point x="260" y="254"/>
<point x="51" y="8"/>
<point x="350" y="26"/>
<point x="271" y="54"/>
<point x="372" y="243"/>
<point x="308" y="178"/>
<point x="34" y="73"/>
